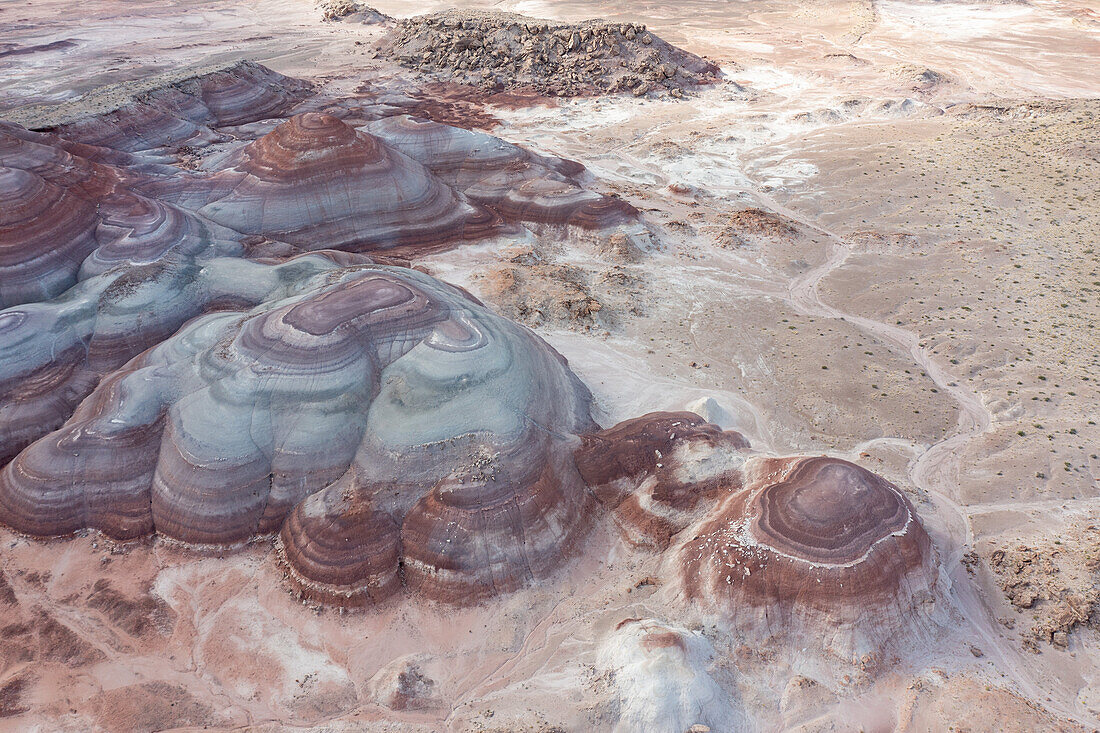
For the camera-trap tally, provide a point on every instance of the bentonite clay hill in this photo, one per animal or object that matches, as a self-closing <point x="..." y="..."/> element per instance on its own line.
<point x="456" y="423"/>
<point x="498" y="51"/>
<point x="457" y="370"/>
<point x="817" y="543"/>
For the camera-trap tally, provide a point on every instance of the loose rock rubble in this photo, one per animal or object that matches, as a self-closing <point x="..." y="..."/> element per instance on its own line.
<point x="1057" y="582"/>
<point x="537" y="293"/>
<point x="745" y="226"/>
<point x="533" y="286"/>
<point x="504" y="51"/>
<point x="352" y="11"/>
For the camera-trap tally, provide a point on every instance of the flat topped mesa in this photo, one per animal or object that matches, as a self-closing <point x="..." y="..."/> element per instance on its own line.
<point x="816" y="549"/>
<point x="172" y="108"/>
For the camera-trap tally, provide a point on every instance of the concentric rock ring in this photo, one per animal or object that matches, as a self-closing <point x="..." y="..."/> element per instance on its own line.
<point x="828" y="511"/>
<point x="147" y="231"/>
<point x="45" y="233"/>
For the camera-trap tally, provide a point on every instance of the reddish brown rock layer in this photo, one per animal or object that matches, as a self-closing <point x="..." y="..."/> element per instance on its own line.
<point x="648" y="469"/>
<point x="468" y="538"/>
<point x="828" y="510"/>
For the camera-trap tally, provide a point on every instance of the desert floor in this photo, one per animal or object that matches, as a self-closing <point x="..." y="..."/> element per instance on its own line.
<point x="875" y="239"/>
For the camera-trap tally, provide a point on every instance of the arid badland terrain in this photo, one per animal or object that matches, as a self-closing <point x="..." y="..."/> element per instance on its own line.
<point x="549" y="366"/>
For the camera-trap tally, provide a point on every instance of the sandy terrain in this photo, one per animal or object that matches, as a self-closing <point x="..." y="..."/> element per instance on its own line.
<point x="874" y="239"/>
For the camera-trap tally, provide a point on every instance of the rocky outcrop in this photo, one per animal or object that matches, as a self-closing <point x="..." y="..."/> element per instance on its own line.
<point x="504" y="51"/>
<point x="74" y="210"/>
<point x="462" y="484"/>
<point x="1054" y="580"/>
<point x="53" y="202"/>
<point x="351" y="12"/>
<point x="104" y="253"/>
<point x="403" y="685"/>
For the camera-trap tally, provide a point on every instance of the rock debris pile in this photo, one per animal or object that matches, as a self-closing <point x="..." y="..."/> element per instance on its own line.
<point x="504" y="51"/>
<point x="1054" y="581"/>
<point x="349" y="10"/>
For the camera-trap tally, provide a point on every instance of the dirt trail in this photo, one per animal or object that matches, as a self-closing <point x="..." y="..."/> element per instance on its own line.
<point x="936" y="468"/>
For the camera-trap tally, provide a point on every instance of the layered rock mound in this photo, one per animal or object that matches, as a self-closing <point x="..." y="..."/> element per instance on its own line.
<point x="70" y="211"/>
<point x="45" y="233"/>
<point x="315" y="183"/>
<point x="105" y="253"/>
<point x="513" y="181"/>
<point x="413" y="438"/>
<point x="819" y="551"/>
<point x="179" y="356"/>
<point x="499" y="51"/>
<point x="54" y="353"/>
<point x="48" y="214"/>
<point x="74" y="209"/>
<point x="163" y="110"/>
